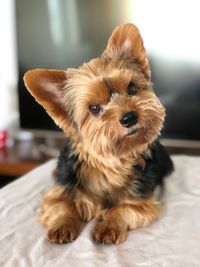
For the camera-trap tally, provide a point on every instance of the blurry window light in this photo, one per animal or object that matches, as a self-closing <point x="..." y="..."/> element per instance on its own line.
<point x="169" y="28"/>
<point x="55" y="21"/>
<point x="57" y="29"/>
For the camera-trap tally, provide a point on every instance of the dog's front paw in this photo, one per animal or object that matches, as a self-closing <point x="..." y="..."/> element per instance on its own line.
<point x="63" y="234"/>
<point x="109" y="233"/>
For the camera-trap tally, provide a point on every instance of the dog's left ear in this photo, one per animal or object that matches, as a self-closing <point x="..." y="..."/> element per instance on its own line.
<point x="126" y="42"/>
<point x="47" y="86"/>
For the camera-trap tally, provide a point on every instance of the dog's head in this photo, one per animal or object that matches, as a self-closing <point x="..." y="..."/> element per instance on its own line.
<point x="108" y="104"/>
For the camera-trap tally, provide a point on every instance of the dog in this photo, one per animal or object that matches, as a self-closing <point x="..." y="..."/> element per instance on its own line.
<point x="112" y="160"/>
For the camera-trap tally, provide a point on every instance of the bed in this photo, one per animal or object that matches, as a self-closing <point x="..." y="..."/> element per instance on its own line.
<point x="173" y="240"/>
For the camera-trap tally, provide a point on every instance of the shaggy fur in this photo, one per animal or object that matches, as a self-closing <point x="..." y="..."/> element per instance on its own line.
<point x="106" y="170"/>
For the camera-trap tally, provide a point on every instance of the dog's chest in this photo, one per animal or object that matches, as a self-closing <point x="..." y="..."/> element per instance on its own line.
<point x="110" y="184"/>
<point x="108" y="181"/>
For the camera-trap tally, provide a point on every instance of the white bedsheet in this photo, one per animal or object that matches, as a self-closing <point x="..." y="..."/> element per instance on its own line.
<point x="172" y="241"/>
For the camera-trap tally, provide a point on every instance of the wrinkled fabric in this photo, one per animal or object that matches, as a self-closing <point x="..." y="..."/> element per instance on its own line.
<point x="172" y="241"/>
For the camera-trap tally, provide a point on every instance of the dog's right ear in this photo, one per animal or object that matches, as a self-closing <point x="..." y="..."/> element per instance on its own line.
<point x="46" y="86"/>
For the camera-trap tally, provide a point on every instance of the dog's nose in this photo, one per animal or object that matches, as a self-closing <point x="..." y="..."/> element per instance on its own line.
<point x="129" y="119"/>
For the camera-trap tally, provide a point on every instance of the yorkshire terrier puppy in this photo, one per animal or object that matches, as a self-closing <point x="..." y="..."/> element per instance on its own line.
<point x="112" y="161"/>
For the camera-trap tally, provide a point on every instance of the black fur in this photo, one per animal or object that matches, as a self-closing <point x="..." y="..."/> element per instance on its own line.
<point x="66" y="173"/>
<point x="157" y="166"/>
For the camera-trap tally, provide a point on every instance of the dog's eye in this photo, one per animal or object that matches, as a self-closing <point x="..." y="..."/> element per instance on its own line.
<point x="131" y="89"/>
<point x="95" y="109"/>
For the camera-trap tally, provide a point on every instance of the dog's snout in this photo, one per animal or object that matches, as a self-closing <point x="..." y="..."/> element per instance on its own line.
<point x="129" y="119"/>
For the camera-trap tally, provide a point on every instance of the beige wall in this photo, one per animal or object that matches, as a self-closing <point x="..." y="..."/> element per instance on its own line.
<point x="8" y="68"/>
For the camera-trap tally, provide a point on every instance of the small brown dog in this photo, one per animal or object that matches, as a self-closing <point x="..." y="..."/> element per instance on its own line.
<point x="112" y="162"/>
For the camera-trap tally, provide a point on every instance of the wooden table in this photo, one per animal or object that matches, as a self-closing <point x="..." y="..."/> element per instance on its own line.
<point x="20" y="158"/>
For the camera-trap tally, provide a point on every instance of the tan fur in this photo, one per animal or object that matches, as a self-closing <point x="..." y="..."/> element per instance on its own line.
<point x="118" y="220"/>
<point x="106" y="150"/>
<point x="120" y="45"/>
<point x="59" y="215"/>
<point x="86" y="207"/>
<point x="63" y="218"/>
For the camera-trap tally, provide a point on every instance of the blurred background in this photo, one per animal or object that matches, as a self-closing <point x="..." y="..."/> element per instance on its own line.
<point x="65" y="33"/>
